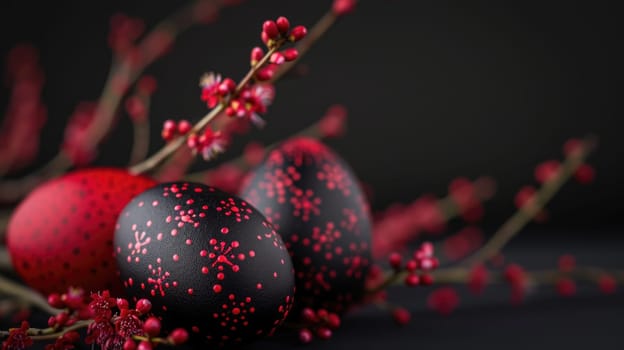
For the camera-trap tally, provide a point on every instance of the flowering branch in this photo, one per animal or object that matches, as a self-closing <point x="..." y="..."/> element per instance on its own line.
<point x="125" y="70"/>
<point x="539" y="200"/>
<point x="175" y="144"/>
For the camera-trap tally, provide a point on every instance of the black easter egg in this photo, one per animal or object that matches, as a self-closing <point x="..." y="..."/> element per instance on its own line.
<point x="206" y="260"/>
<point x="313" y="200"/>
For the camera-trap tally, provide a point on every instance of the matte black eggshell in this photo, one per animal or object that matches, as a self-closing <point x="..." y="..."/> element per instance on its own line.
<point x="206" y="260"/>
<point x="312" y="198"/>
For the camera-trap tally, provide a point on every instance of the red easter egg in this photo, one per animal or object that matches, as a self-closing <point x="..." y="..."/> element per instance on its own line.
<point x="61" y="235"/>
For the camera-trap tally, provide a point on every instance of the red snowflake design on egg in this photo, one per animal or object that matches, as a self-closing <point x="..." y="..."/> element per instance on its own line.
<point x="233" y="315"/>
<point x="335" y="178"/>
<point x="239" y="211"/>
<point x="278" y="183"/>
<point x="158" y="281"/>
<point x="305" y="202"/>
<point x="350" y="220"/>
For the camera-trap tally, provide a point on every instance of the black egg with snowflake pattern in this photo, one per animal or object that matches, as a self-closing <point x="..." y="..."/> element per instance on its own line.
<point x="314" y="201"/>
<point x="206" y="260"/>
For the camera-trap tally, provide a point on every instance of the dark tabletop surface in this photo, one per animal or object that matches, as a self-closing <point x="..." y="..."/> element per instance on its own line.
<point x="589" y="320"/>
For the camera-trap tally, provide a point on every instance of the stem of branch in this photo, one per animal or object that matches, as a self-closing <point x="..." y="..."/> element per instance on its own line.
<point x="525" y="214"/>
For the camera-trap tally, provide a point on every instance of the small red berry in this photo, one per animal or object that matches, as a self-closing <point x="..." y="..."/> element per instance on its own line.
<point x="266" y="73"/>
<point x="524" y="197"/>
<point x="411" y="265"/>
<point x="178" y="336"/>
<point x="55" y="301"/>
<point x="426" y="279"/>
<point x="401" y="316"/>
<point x="305" y="336"/>
<point x="324" y="333"/>
<point x="143" y="306"/>
<point x="572" y="147"/>
<point x="62" y="318"/>
<point x="309" y="315"/>
<point x="129" y="344"/>
<point x="265" y="38"/>
<point x="566" y="287"/>
<point x="607" y="284"/>
<point x="256" y="56"/>
<point x="547" y="171"/>
<point x="333" y="321"/>
<point x="412" y="280"/>
<point x="290" y="54"/>
<point x="322" y="314"/>
<point x="343" y="7"/>
<point x="152" y="326"/>
<point x="298" y="33"/>
<point x="443" y="300"/>
<point x="585" y="174"/>
<point x="395" y="260"/>
<point x="283" y="25"/>
<point x="270" y="28"/>
<point x="277" y="58"/>
<point x="122" y="303"/>
<point x="478" y="279"/>
<point x="184" y="126"/>
<point x="144" y="345"/>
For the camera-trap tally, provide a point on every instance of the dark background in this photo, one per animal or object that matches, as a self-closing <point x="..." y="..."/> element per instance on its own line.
<point x="435" y="89"/>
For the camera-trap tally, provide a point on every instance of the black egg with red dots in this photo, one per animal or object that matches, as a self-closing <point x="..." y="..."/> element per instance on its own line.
<point x="314" y="201"/>
<point x="206" y="260"/>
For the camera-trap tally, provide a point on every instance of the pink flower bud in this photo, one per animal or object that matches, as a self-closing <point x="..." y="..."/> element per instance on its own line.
<point x="256" y="55"/>
<point x="283" y="25"/>
<point x="297" y="33"/>
<point x="343" y="7"/>
<point x="270" y="28"/>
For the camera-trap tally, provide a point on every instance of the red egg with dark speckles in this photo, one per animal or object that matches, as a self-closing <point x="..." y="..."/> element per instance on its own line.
<point x="61" y="235"/>
<point x="206" y="260"/>
<point x="314" y="201"/>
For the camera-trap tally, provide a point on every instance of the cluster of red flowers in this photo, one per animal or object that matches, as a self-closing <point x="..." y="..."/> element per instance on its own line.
<point x="319" y="323"/>
<point x="110" y="323"/>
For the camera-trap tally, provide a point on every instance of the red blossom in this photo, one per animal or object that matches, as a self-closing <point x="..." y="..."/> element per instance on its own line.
<point x="101" y="305"/>
<point x="443" y="300"/>
<point x="18" y="338"/>
<point x="208" y="144"/>
<point x="210" y="89"/>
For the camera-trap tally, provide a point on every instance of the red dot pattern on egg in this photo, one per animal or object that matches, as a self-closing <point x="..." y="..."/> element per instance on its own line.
<point x="311" y="197"/>
<point x="61" y="235"/>
<point x="206" y="275"/>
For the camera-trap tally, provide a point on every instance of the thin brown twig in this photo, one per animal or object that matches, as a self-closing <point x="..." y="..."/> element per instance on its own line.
<point x="525" y="214"/>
